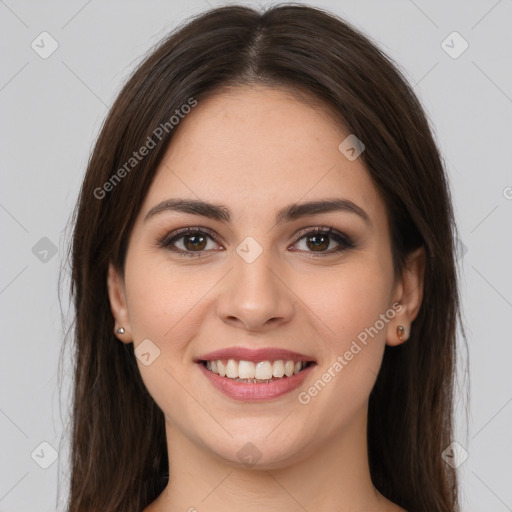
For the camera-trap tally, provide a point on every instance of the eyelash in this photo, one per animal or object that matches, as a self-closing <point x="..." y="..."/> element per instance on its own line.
<point x="168" y="240"/>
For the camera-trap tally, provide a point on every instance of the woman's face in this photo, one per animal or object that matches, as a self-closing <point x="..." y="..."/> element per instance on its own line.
<point x="261" y="287"/>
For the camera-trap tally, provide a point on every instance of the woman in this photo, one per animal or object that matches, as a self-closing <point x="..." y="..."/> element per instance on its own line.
<point x="264" y="280"/>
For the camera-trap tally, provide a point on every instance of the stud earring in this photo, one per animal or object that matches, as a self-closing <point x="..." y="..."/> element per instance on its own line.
<point x="120" y="330"/>
<point x="400" y="331"/>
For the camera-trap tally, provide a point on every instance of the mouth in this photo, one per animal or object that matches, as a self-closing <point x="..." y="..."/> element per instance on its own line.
<point x="255" y="375"/>
<point x="261" y="372"/>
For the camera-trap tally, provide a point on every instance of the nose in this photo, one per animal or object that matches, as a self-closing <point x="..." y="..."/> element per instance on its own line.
<point x="255" y="295"/>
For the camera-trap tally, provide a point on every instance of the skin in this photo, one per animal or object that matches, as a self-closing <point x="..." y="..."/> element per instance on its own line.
<point x="256" y="150"/>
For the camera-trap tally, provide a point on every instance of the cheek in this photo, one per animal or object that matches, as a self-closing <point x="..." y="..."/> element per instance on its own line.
<point x="161" y="309"/>
<point x="161" y="301"/>
<point x="348" y="300"/>
<point x="352" y="315"/>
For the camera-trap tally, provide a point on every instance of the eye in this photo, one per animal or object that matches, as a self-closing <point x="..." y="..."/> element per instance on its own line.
<point x="318" y="240"/>
<point x="194" y="241"/>
<point x="189" y="241"/>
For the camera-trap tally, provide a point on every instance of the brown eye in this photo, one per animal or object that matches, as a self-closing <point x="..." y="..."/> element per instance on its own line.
<point x="319" y="240"/>
<point x="195" y="242"/>
<point x="189" y="242"/>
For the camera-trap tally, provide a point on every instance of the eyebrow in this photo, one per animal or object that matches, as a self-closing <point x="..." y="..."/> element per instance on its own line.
<point x="288" y="213"/>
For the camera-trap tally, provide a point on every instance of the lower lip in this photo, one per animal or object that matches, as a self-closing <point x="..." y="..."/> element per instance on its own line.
<point x="249" y="392"/>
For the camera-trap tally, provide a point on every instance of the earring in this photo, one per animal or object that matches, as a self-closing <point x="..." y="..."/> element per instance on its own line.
<point x="120" y="330"/>
<point x="400" y="331"/>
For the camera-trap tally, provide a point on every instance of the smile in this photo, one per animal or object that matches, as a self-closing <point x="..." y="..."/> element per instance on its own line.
<point x="255" y="374"/>
<point x="249" y="374"/>
<point x="259" y="372"/>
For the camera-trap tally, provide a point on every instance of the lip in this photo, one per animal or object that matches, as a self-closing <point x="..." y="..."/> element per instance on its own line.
<point x="255" y="355"/>
<point x="251" y="392"/>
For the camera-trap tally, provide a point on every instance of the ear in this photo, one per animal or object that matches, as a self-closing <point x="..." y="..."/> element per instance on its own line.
<point x="408" y="293"/>
<point x="118" y="304"/>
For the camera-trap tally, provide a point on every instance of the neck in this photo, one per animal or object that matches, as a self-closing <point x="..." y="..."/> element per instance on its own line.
<point x="332" y="476"/>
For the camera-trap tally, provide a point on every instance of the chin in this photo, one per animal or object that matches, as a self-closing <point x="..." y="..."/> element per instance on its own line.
<point x="258" y="452"/>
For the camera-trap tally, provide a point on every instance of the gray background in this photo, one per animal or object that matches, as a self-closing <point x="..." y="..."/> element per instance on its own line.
<point x="51" y="111"/>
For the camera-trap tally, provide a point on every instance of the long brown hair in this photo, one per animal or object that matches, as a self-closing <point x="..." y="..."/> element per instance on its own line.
<point x="118" y="445"/>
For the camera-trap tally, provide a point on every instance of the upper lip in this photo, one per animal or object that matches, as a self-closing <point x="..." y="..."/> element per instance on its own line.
<point x="254" y="355"/>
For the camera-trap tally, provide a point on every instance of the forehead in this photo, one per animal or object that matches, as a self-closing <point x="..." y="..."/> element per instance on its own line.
<point x="261" y="148"/>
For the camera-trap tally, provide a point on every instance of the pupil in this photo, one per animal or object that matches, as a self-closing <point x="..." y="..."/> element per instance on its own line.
<point x="194" y="245"/>
<point x="320" y="241"/>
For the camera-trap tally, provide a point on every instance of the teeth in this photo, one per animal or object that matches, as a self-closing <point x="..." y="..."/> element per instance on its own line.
<point x="246" y="370"/>
<point x="261" y="371"/>
<point x="232" y="369"/>
<point x="221" y="369"/>
<point x="278" y="369"/>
